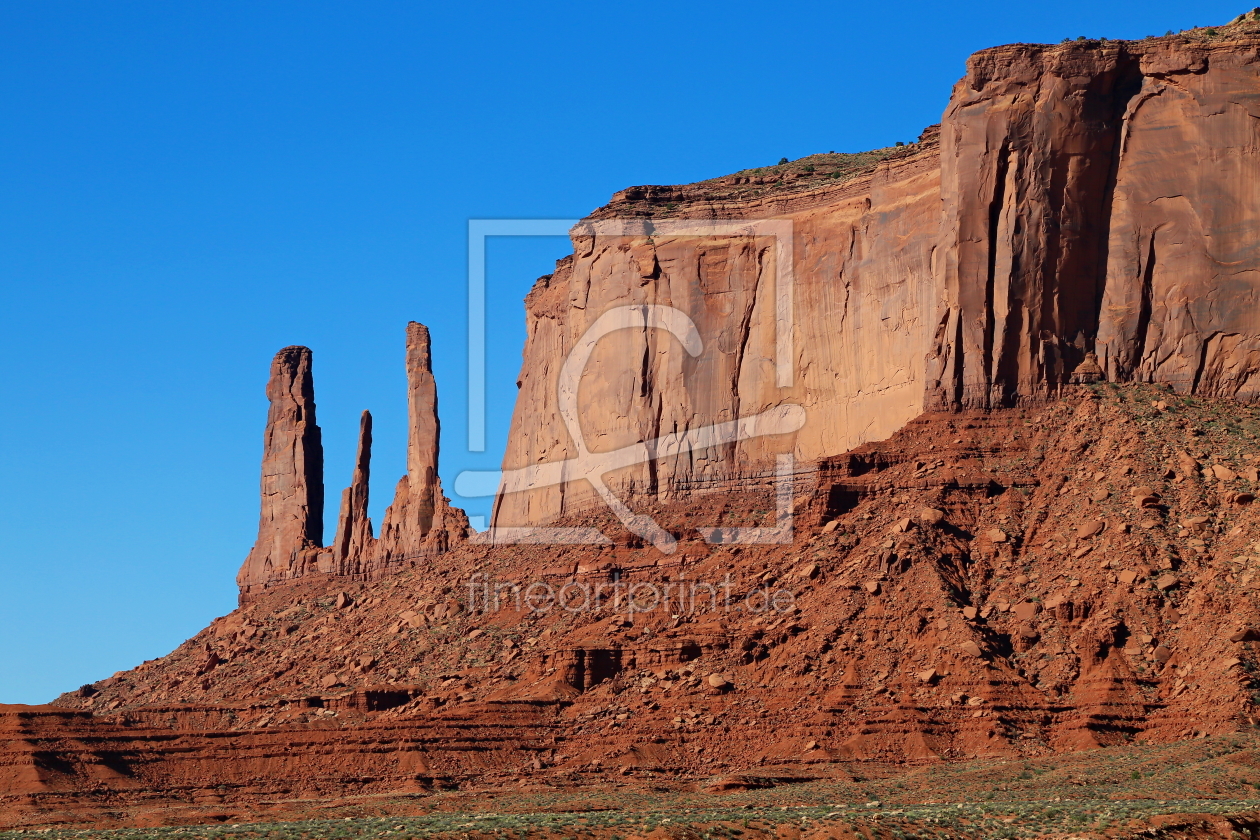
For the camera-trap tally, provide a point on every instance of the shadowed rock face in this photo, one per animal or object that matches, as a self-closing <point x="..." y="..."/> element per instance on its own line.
<point x="1100" y="200"/>
<point x="291" y="520"/>
<point x="998" y="583"/>
<point x="1083" y="198"/>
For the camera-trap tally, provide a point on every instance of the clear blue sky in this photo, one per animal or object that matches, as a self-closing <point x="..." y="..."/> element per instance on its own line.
<point x="187" y="187"/>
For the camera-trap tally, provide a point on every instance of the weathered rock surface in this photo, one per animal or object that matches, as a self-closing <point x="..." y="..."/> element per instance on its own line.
<point x="862" y="293"/>
<point x="353" y="543"/>
<point x="1100" y="199"/>
<point x="1046" y="567"/>
<point x="291" y="524"/>
<point x="1088" y="213"/>
<point x="905" y="638"/>
<point x="419" y="523"/>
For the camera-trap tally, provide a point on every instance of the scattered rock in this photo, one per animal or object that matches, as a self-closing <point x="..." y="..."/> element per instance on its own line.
<point x="1026" y="611"/>
<point x="1090" y="529"/>
<point x="1223" y="473"/>
<point x="1166" y="582"/>
<point x="971" y="649"/>
<point x="931" y="516"/>
<point x="997" y="535"/>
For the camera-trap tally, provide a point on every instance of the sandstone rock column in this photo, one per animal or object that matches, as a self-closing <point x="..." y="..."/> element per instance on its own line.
<point x="292" y="514"/>
<point x="353" y="544"/>
<point x="423" y="428"/>
<point x="420" y="522"/>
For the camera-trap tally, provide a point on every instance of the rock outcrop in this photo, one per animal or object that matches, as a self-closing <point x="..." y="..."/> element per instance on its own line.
<point x="1083" y="198"/>
<point x="353" y="543"/>
<point x="1011" y="578"/>
<point x="862" y="290"/>
<point x="419" y="523"/>
<point x="291" y="523"/>
<point x="1100" y="198"/>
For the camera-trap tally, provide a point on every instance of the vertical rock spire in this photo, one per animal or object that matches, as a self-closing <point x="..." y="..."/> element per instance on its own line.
<point x="423" y="428"/>
<point x="421" y="521"/>
<point x="352" y="545"/>
<point x="291" y="521"/>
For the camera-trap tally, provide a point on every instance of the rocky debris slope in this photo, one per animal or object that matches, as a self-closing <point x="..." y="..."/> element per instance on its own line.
<point x="419" y="524"/>
<point x="1019" y="583"/>
<point x="1092" y="197"/>
<point x="1067" y="558"/>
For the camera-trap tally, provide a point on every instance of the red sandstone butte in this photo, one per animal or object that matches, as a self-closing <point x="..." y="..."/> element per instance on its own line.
<point x="1077" y="199"/>
<point x="1013" y="535"/>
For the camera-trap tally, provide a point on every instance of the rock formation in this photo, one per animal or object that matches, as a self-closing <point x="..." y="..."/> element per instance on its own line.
<point x="1089" y="197"/>
<point x="353" y="543"/>
<point x="419" y="523"/>
<point x="1100" y="199"/>
<point x="291" y="523"/>
<point x="862" y="273"/>
<point x="1061" y="557"/>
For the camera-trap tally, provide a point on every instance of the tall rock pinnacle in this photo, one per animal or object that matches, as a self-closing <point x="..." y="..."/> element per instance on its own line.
<point x="423" y="427"/>
<point x="353" y="544"/>
<point x="421" y="521"/>
<point x="290" y="524"/>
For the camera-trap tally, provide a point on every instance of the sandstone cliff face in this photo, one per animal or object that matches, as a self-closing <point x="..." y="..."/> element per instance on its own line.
<point x="291" y="523"/>
<point x="862" y="293"/>
<point x="1105" y="200"/>
<point x="1083" y="198"/>
<point x="419" y="523"/>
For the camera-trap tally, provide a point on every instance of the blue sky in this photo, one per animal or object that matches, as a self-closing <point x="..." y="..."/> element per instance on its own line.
<point x="187" y="187"/>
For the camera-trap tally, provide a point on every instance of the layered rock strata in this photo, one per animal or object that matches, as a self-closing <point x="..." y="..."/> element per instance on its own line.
<point x="1083" y="198"/>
